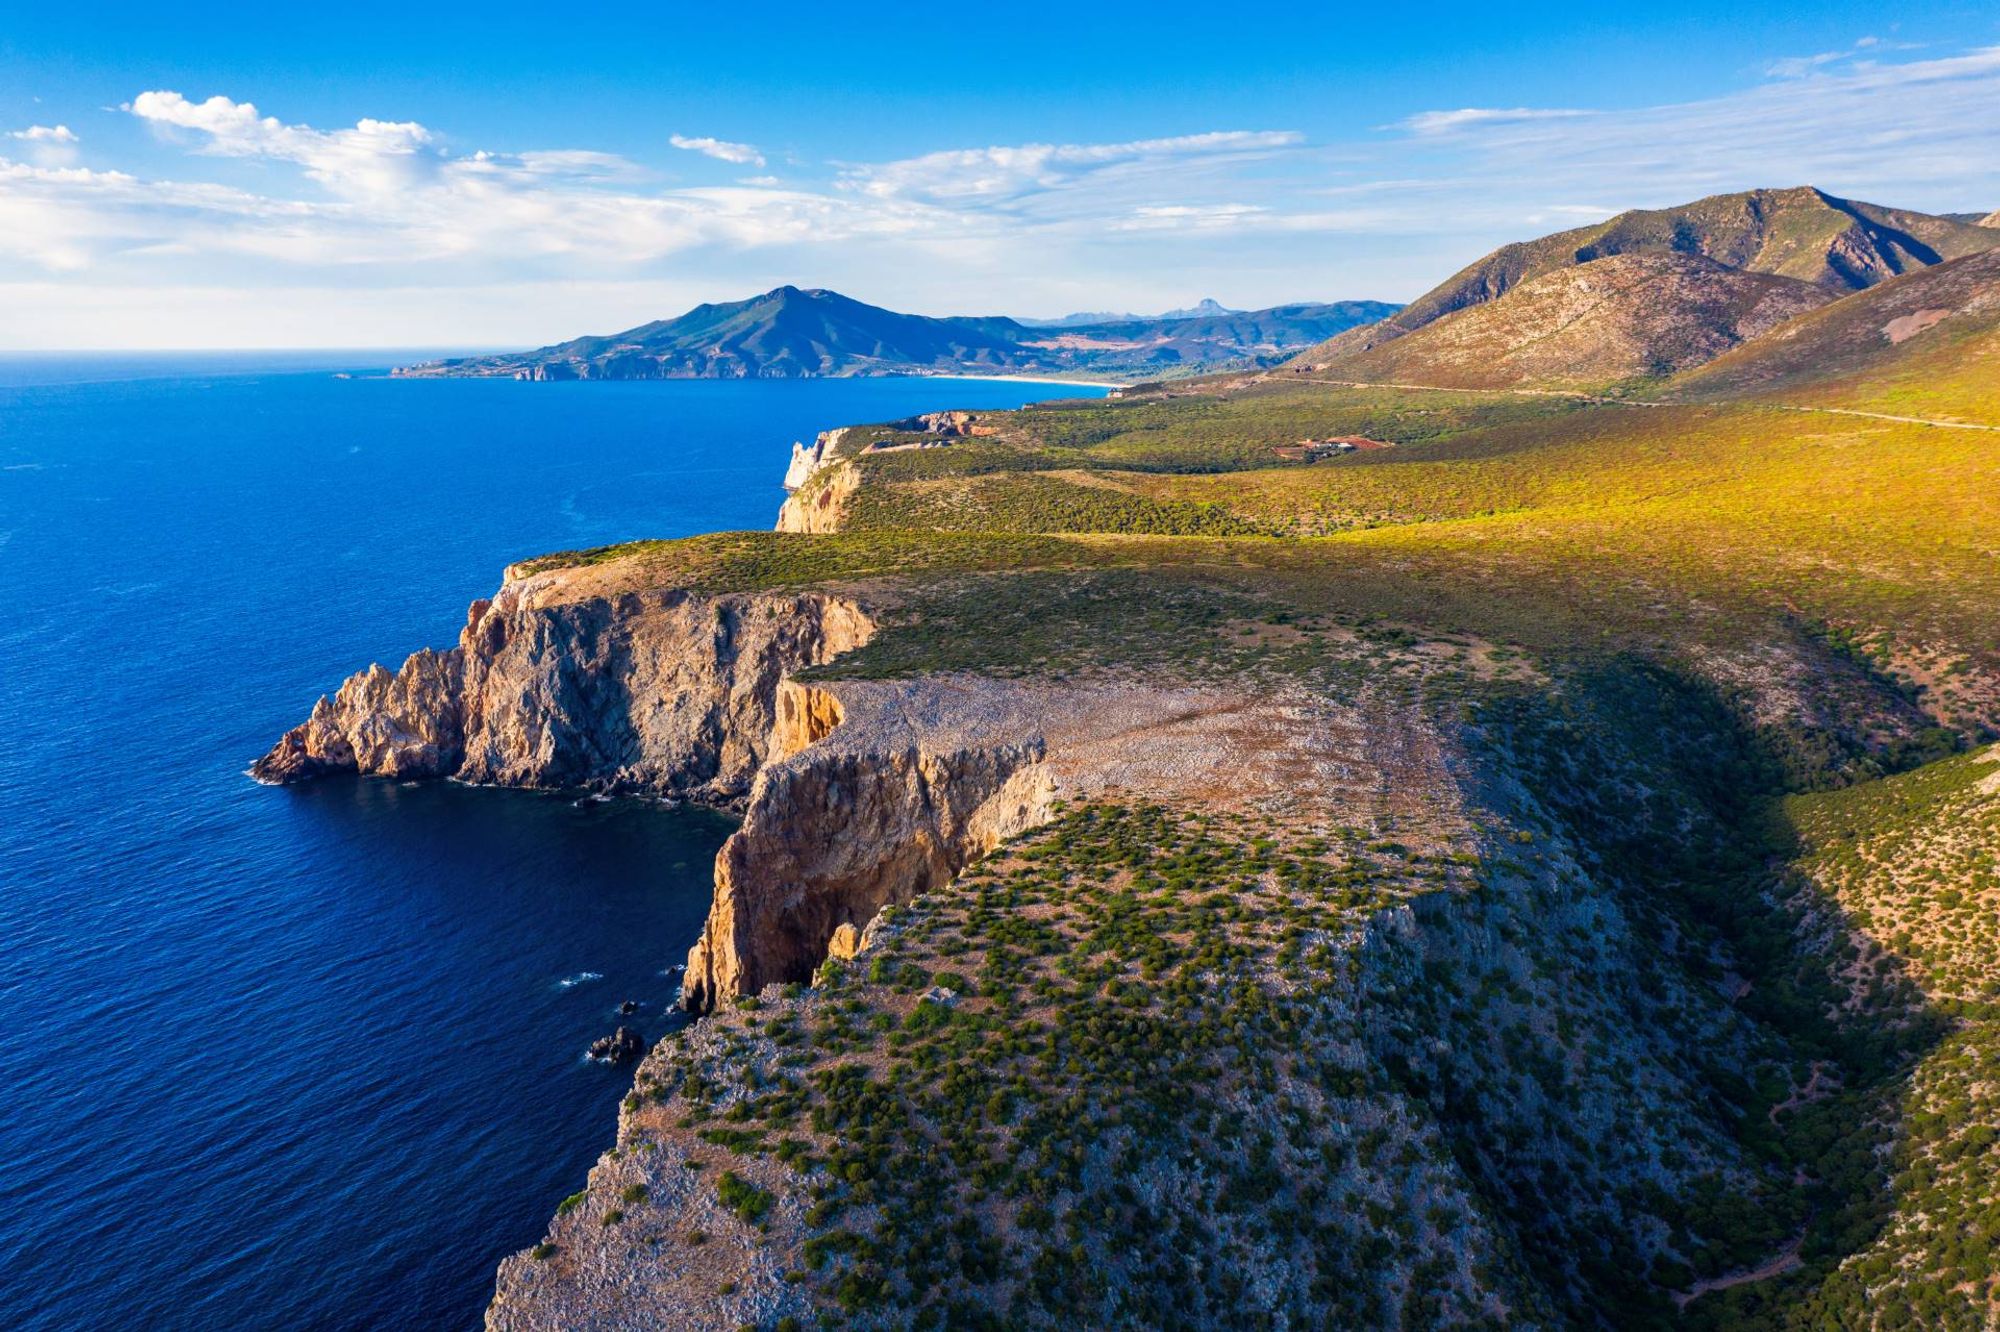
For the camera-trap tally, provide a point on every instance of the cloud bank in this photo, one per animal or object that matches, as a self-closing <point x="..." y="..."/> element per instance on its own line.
<point x="232" y="198"/>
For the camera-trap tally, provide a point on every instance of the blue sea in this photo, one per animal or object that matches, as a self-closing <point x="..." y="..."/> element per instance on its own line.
<point x="313" y="1057"/>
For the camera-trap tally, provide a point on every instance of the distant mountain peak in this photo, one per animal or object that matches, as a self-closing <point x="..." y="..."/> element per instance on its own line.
<point x="1992" y="219"/>
<point x="1207" y="308"/>
<point x="1203" y="309"/>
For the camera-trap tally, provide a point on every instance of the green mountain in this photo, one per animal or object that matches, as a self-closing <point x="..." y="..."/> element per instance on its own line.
<point x="1803" y="233"/>
<point x="1209" y="337"/>
<point x="792" y="333"/>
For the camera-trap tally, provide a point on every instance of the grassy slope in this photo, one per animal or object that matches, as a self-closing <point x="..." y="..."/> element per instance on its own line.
<point x="1709" y="507"/>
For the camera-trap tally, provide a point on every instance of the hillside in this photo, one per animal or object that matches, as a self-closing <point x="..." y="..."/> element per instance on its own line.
<point x="1803" y="233"/>
<point x="791" y="333"/>
<point x="1622" y="317"/>
<point x="1531" y="869"/>
<point x="1926" y="343"/>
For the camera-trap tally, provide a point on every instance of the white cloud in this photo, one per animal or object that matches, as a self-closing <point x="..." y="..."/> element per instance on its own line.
<point x="1470" y="117"/>
<point x="396" y="197"/>
<point x="375" y="157"/>
<point x="1797" y="67"/>
<point x="999" y="174"/>
<point x="48" y="145"/>
<point x="742" y="154"/>
<point x="1917" y="132"/>
<point x="1860" y="55"/>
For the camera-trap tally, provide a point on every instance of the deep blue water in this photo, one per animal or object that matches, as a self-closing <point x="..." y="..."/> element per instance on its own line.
<point x="305" y="1058"/>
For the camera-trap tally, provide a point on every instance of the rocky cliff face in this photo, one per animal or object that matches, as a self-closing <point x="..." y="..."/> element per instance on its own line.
<point x="806" y="460"/>
<point x="873" y="817"/>
<point x="821" y="506"/>
<point x="664" y="690"/>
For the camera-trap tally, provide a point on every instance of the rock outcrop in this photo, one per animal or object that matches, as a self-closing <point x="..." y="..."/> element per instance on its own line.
<point x="878" y="791"/>
<point x="822" y="506"/>
<point x="836" y="833"/>
<point x="951" y="425"/>
<point x="620" y="1047"/>
<point x="407" y="723"/>
<point x="664" y="690"/>
<point x="805" y="461"/>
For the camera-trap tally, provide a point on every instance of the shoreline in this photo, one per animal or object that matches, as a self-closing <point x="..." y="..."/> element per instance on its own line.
<point x="400" y="372"/>
<point x="1008" y="379"/>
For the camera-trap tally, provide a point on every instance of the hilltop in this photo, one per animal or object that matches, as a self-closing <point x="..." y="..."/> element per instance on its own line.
<point x="792" y="333"/>
<point x="1266" y="852"/>
<point x="1804" y="234"/>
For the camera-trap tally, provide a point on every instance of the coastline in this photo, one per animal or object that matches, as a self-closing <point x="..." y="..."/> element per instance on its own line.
<point x="1026" y="379"/>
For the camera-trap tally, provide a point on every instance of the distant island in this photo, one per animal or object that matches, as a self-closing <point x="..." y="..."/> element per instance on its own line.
<point x="794" y="333"/>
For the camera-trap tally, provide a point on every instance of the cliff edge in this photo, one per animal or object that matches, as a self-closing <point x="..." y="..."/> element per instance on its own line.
<point x="553" y="683"/>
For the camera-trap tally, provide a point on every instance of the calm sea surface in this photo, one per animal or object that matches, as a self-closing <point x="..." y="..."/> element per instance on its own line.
<point x="312" y="1058"/>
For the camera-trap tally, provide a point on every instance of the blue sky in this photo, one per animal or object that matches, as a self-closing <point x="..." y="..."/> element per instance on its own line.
<point x="376" y="175"/>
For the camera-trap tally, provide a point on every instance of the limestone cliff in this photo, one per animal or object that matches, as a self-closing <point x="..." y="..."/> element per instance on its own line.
<point x="821" y="505"/>
<point x="554" y="683"/>
<point x="877" y="792"/>
<point x="806" y="460"/>
<point x="872" y="818"/>
<point x="1433" y="1077"/>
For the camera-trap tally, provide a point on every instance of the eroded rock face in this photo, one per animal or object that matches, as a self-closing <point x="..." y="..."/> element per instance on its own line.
<point x="956" y="424"/>
<point x="805" y="461"/>
<point x="405" y="723"/>
<point x="663" y="690"/>
<point x="877" y="816"/>
<point x="821" y="507"/>
<point x="878" y="791"/>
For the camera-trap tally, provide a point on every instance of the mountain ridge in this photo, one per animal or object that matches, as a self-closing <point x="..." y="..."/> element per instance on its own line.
<point x="794" y="332"/>
<point x="1801" y="235"/>
<point x="1622" y="317"/>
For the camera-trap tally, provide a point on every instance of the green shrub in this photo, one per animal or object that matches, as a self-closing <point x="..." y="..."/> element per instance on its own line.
<point x="740" y="1196"/>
